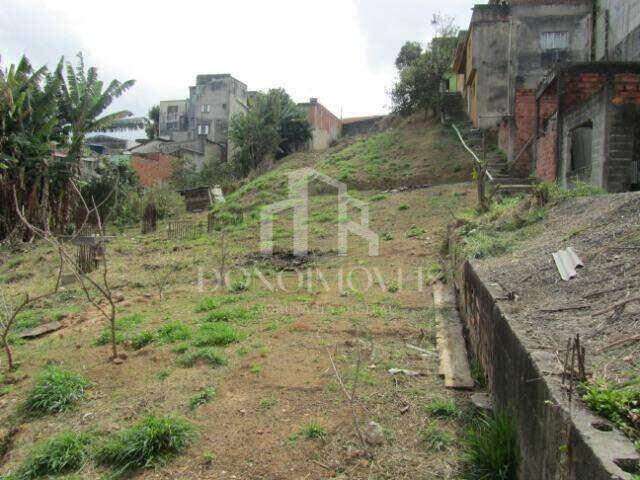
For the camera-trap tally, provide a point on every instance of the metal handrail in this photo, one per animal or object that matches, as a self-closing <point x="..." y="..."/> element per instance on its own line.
<point x="473" y="154"/>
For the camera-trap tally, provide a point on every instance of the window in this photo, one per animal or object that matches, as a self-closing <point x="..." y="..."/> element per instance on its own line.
<point x="172" y="113"/>
<point x="203" y="129"/>
<point x="205" y="108"/>
<point x="554" y="40"/>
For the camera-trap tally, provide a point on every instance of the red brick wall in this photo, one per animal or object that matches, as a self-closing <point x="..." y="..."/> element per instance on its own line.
<point x="152" y="169"/>
<point x="546" y="164"/>
<point x="525" y="118"/>
<point x="626" y="89"/>
<point x="582" y="87"/>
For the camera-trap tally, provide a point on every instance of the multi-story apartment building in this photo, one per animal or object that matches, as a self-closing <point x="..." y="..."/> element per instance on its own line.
<point x="201" y="122"/>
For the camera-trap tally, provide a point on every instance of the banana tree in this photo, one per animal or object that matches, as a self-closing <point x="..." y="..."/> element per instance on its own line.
<point x="83" y="102"/>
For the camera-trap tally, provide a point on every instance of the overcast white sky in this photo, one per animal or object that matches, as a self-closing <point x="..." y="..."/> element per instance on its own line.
<point x="341" y="51"/>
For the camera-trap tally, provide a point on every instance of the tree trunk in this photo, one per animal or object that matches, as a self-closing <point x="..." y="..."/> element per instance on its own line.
<point x="7" y="351"/>
<point x="114" y="343"/>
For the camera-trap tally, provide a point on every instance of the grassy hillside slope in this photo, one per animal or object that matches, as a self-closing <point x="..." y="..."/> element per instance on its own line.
<point x="259" y="370"/>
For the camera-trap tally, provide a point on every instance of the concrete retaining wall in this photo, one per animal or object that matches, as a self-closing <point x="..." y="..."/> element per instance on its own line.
<point x="557" y="440"/>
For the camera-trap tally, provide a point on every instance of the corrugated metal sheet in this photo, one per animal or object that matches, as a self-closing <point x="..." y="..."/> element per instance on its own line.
<point x="567" y="262"/>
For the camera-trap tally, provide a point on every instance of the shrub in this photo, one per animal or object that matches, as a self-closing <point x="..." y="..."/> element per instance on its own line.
<point x="64" y="453"/>
<point x="491" y="449"/>
<point x="147" y="443"/>
<point x="55" y="390"/>
<point x="203" y="396"/>
<point x="217" y="334"/>
<point x="173" y="332"/>
<point x="442" y="408"/>
<point x="209" y="356"/>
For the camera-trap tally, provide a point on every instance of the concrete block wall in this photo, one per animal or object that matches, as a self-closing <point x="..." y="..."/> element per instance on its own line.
<point x="593" y="110"/>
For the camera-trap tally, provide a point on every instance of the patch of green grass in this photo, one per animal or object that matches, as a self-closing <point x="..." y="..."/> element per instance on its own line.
<point x="209" y="356"/>
<point x="55" y="390"/>
<point x="268" y="402"/>
<point x="314" y="430"/>
<point x="480" y="244"/>
<point x="162" y="375"/>
<point x="204" y="396"/>
<point x="238" y="286"/>
<point x="239" y="315"/>
<point x="415" y="231"/>
<point x="403" y="207"/>
<point x="619" y="404"/>
<point x="180" y="348"/>
<point x="386" y="236"/>
<point x="491" y="449"/>
<point x="256" y="369"/>
<point x="434" y="438"/>
<point x="442" y="408"/>
<point x="218" y="334"/>
<point x="62" y="454"/>
<point x="27" y="320"/>
<point x="173" y="332"/>
<point x="142" y="339"/>
<point x="123" y="326"/>
<point x="146" y="444"/>
<point x="211" y="303"/>
<point x="554" y="191"/>
<point x="378" y="198"/>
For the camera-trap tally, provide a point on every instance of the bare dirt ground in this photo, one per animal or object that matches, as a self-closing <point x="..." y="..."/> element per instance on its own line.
<point x="601" y="304"/>
<point x="279" y="377"/>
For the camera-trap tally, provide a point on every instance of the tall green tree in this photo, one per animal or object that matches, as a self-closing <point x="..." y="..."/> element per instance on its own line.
<point x="420" y="77"/>
<point x="272" y="126"/>
<point x="153" y="127"/>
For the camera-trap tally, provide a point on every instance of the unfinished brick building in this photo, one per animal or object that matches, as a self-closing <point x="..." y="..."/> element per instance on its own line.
<point x="540" y="73"/>
<point x="588" y="125"/>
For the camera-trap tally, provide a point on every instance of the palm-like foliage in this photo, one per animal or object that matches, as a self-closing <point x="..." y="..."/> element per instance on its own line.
<point x="83" y="101"/>
<point x="39" y="108"/>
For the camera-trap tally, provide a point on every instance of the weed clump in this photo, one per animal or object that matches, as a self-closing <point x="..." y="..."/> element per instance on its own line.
<point x="202" y="397"/>
<point x="442" y="408"/>
<point x="55" y="390"/>
<point x="146" y="444"/>
<point x="434" y="438"/>
<point x="141" y="340"/>
<point x="209" y="356"/>
<point x="62" y="454"/>
<point x="123" y="325"/>
<point x="217" y="334"/>
<point x="620" y="405"/>
<point x="314" y="431"/>
<point x="230" y="314"/>
<point x="491" y="449"/>
<point x="173" y="332"/>
<point x="211" y="303"/>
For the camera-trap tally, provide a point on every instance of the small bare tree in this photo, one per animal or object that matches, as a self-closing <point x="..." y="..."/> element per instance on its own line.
<point x="10" y="310"/>
<point x="97" y="290"/>
<point x="162" y="274"/>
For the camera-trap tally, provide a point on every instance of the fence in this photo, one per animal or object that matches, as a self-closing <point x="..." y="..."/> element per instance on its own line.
<point x="181" y="229"/>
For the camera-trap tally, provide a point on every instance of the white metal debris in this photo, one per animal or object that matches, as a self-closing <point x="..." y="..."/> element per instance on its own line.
<point x="567" y="262"/>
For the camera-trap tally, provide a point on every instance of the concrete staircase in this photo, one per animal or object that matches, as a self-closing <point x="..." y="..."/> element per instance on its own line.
<point x="500" y="178"/>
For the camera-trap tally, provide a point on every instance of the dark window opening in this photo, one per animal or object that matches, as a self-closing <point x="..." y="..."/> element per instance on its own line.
<point x="581" y="150"/>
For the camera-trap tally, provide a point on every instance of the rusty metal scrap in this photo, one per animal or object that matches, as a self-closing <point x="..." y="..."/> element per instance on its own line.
<point x="567" y="262"/>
